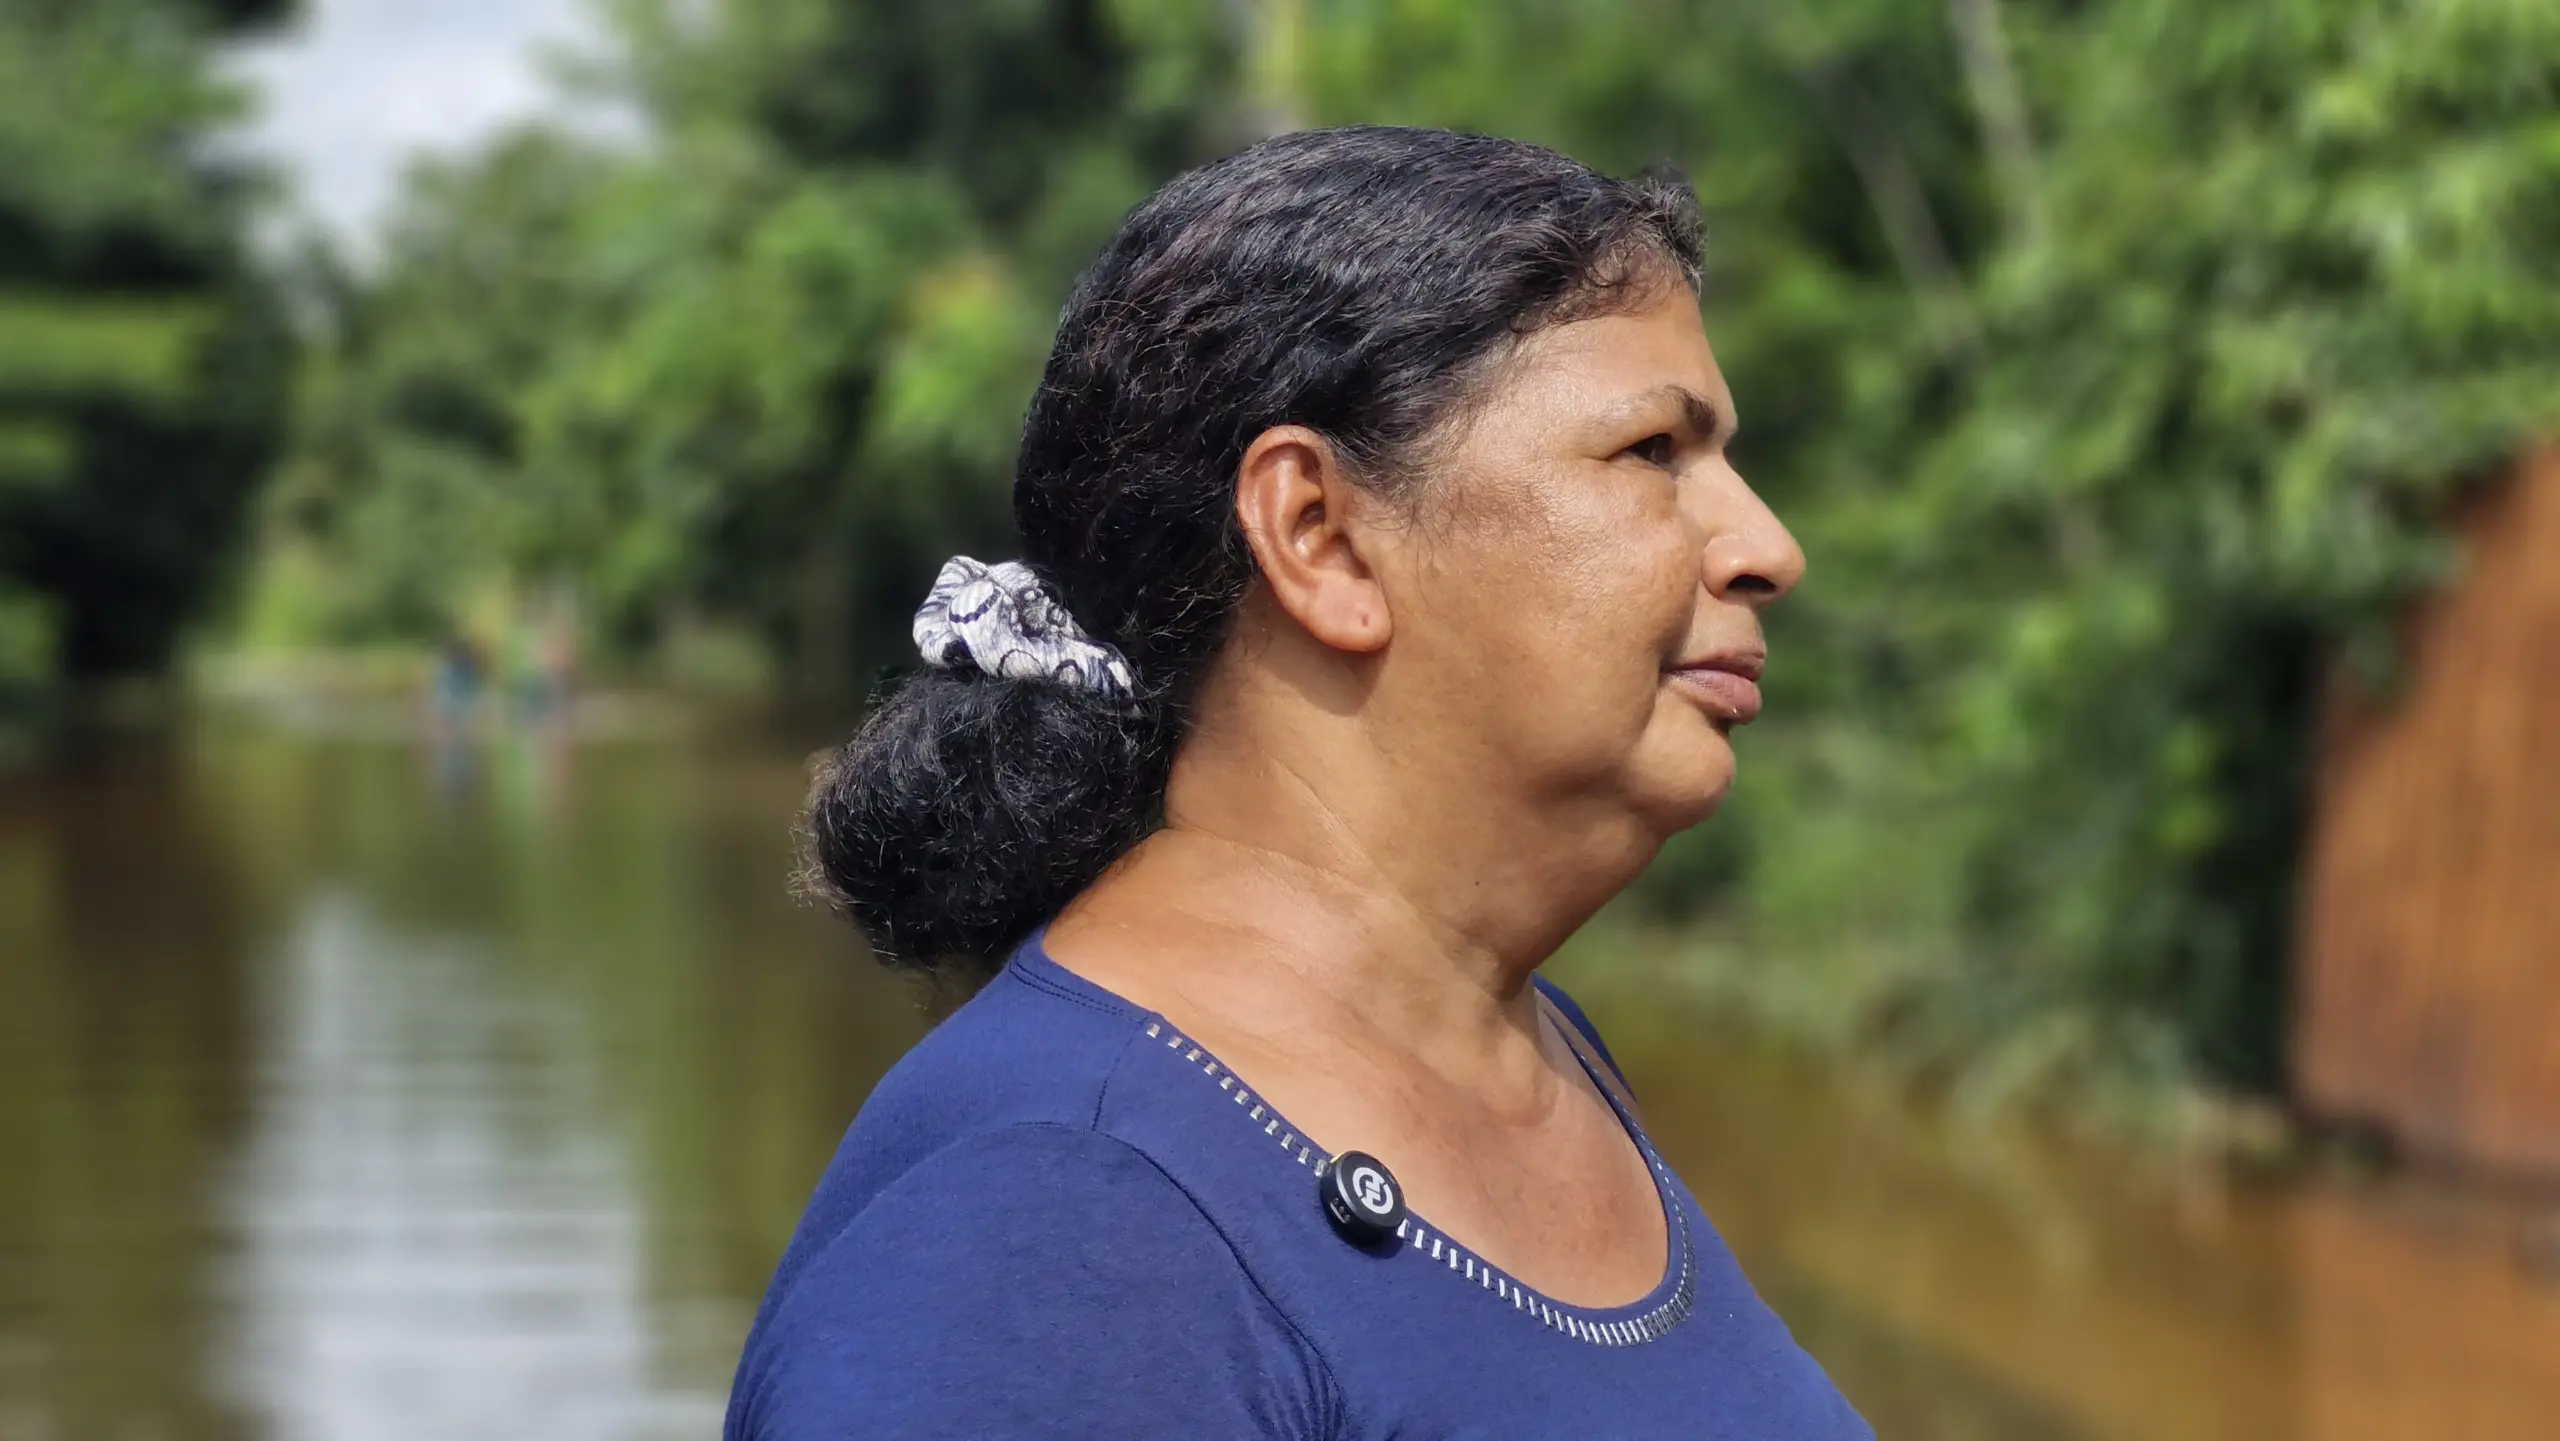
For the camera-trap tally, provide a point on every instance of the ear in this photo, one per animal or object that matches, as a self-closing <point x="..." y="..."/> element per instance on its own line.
<point x="1301" y="513"/>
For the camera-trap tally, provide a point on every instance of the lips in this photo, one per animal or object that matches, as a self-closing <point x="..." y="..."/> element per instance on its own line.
<point x="1728" y="687"/>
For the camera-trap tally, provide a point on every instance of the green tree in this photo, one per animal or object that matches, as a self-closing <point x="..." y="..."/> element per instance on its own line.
<point x="2114" y="361"/>
<point x="411" y="456"/>
<point x="2294" y="286"/>
<point x="771" y="366"/>
<point x="142" y="362"/>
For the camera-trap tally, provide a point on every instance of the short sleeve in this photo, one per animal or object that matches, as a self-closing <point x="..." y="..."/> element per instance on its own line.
<point x="1036" y="1281"/>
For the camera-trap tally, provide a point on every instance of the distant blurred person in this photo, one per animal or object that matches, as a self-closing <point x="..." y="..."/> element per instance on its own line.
<point x="547" y="668"/>
<point x="1388" y="597"/>
<point x="459" y="673"/>
<point x="453" y="700"/>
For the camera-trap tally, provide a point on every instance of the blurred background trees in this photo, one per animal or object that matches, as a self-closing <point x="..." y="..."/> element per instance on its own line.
<point x="143" y="360"/>
<point x="766" y="372"/>
<point x="2115" y="362"/>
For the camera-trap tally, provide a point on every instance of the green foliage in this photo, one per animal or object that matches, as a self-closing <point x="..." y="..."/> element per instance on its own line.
<point x="2152" y="438"/>
<point x="2114" y="361"/>
<point x="141" y="363"/>
<point x="766" y="370"/>
<point x="2111" y="436"/>
<point x="2300" y="285"/>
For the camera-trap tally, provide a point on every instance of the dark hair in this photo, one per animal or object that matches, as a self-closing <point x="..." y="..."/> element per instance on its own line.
<point x="1358" y="282"/>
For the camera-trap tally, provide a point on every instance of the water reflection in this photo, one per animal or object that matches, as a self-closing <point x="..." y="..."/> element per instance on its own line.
<point x="121" y="1052"/>
<point x="343" y="1098"/>
<point x="351" y="1091"/>
<point x="436" y="1237"/>
<point x="2007" y="1285"/>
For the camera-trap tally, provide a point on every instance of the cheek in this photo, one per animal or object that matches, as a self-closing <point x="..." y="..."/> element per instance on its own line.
<point x="1635" y="577"/>
<point x="1606" y="596"/>
<point x="1570" y="587"/>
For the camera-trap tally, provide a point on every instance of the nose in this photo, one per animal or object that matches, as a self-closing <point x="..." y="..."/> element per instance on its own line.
<point x="1751" y="559"/>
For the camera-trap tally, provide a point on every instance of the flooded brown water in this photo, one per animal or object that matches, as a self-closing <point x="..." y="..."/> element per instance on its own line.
<point x="351" y="1092"/>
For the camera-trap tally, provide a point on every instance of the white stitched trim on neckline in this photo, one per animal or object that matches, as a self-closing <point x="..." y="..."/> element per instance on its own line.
<point x="1634" y="1331"/>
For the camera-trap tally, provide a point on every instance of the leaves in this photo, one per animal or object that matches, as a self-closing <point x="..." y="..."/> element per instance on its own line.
<point x="773" y="367"/>
<point x="141" y="361"/>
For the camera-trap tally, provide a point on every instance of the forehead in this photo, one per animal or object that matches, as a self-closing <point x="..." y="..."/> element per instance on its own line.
<point x="1609" y="359"/>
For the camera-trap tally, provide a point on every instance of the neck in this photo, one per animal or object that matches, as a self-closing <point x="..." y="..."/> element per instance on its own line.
<point x="1394" y="885"/>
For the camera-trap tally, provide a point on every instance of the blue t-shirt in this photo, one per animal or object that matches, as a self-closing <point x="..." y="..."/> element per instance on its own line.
<point x="1058" y="1216"/>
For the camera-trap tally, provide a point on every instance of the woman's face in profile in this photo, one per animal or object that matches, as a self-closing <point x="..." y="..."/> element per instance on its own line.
<point x="1595" y="574"/>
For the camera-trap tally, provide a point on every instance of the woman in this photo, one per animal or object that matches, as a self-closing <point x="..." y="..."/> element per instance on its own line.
<point x="1390" y="597"/>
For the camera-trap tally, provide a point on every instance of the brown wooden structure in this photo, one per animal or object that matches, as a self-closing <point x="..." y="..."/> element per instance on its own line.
<point x="2430" y="955"/>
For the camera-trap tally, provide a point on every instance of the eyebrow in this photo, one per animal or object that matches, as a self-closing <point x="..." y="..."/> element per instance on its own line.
<point x="1698" y="412"/>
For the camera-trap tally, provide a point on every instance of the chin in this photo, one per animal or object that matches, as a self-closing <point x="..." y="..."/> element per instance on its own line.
<point x="1676" y="797"/>
<point x="1701" y="807"/>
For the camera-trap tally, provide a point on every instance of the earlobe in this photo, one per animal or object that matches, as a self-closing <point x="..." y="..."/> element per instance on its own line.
<point x="1303" y="517"/>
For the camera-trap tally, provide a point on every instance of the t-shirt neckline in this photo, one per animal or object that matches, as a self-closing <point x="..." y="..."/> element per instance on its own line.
<point x="1647" y="1318"/>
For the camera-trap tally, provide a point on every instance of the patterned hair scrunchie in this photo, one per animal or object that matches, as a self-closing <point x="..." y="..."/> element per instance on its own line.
<point x="1002" y="620"/>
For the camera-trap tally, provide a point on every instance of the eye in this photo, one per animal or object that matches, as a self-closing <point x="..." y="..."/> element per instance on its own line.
<point x="1657" y="449"/>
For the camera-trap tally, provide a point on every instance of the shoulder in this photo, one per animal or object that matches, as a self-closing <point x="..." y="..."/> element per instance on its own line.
<point x="1017" y="1053"/>
<point x="1021" y="1050"/>
<point x="1034" y="1277"/>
